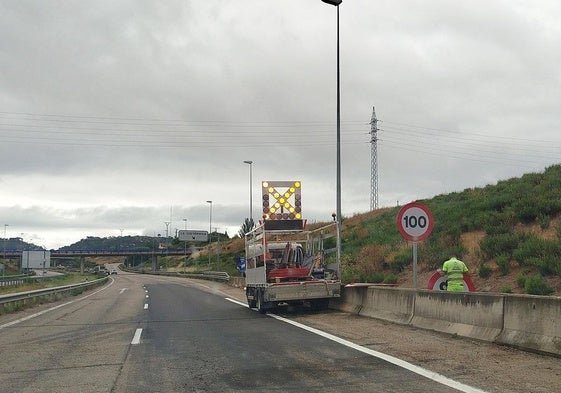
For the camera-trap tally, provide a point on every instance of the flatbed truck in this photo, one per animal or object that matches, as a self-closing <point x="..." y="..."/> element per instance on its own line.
<point x="290" y="267"/>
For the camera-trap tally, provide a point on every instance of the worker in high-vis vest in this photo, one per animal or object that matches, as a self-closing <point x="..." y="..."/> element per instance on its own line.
<point x="455" y="269"/>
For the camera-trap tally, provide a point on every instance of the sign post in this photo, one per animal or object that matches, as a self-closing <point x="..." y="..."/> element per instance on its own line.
<point x="415" y="223"/>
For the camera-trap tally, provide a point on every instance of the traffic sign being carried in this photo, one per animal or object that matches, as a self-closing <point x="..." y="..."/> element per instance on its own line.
<point x="439" y="282"/>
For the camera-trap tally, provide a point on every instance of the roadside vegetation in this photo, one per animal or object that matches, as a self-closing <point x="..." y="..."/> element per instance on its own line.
<point x="515" y="224"/>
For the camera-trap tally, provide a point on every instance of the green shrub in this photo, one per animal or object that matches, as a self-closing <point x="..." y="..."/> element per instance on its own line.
<point x="349" y="275"/>
<point x="484" y="271"/>
<point x="503" y="262"/>
<point x="521" y="280"/>
<point x="401" y="261"/>
<point x="544" y="221"/>
<point x="390" y="279"/>
<point x="535" y="285"/>
<point x="528" y="213"/>
<point x="375" y="278"/>
<point x="500" y="244"/>
<point x="497" y="223"/>
<point x="506" y="289"/>
<point x="542" y="253"/>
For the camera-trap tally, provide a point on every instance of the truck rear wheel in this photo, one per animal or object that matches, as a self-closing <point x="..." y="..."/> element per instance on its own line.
<point x="260" y="303"/>
<point x="251" y="302"/>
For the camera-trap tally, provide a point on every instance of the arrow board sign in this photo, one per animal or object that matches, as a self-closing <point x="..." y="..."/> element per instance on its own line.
<point x="192" y="236"/>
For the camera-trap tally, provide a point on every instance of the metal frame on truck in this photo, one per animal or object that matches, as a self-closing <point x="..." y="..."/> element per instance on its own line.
<point x="290" y="267"/>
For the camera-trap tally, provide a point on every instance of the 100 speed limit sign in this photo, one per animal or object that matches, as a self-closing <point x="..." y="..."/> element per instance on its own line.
<point x="414" y="221"/>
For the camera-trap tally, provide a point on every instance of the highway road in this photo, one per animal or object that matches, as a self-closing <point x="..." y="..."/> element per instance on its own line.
<point x="141" y="333"/>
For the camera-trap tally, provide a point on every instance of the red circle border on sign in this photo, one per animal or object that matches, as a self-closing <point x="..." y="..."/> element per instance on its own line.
<point x="436" y="276"/>
<point x="400" y="216"/>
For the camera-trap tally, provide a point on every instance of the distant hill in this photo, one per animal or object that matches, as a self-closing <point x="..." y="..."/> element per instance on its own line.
<point x="130" y="243"/>
<point x="114" y="243"/>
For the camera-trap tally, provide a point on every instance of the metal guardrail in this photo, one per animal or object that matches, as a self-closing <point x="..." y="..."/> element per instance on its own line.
<point x="13" y="297"/>
<point x="219" y="276"/>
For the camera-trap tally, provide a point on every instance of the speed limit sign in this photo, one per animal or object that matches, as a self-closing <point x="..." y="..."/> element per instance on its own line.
<point x="414" y="221"/>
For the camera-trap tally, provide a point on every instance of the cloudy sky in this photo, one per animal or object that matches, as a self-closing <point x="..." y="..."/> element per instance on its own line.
<point x="119" y="116"/>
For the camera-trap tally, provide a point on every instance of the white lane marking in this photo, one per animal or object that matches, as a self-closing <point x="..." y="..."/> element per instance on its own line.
<point x="237" y="302"/>
<point x="146" y="306"/>
<point x="147" y="296"/>
<point x="54" y="308"/>
<point x="122" y="291"/>
<point x="136" y="338"/>
<point x="388" y="358"/>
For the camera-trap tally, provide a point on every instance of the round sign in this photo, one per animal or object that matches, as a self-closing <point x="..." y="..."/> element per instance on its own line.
<point x="414" y="221"/>
<point x="439" y="282"/>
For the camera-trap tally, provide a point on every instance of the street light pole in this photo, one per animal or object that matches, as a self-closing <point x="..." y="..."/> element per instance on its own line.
<point x="5" y="239"/>
<point x="209" y="231"/>
<point x="336" y="3"/>
<point x="250" y="191"/>
<point x="185" y="244"/>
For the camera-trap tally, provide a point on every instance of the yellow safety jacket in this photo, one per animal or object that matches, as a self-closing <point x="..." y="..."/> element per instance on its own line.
<point x="454" y="268"/>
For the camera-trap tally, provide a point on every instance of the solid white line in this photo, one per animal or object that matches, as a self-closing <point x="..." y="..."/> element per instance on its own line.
<point x="146" y="306"/>
<point x="237" y="302"/>
<point x="53" y="308"/>
<point x="388" y="358"/>
<point x="136" y="338"/>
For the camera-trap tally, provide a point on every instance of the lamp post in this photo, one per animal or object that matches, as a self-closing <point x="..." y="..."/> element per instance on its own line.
<point x="27" y="247"/>
<point x="209" y="231"/>
<point x="185" y="250"/>
<point x="336" y="3"/>
<point x="250" y="192"/>
<point x="5" y="239"/>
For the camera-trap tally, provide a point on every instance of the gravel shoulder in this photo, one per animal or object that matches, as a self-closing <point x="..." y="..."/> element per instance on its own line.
<point x="487" y="366"/>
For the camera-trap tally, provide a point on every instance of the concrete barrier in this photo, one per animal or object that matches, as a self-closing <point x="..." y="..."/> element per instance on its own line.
<point x="533" y="323"/>
<point x="390" y="304"/>
<point x="466" y="314"/>
<point x="351" y="300"/>
<point x="524" y="321"/>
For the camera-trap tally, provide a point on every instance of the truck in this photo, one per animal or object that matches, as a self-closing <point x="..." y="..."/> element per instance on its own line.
<point x="286" y="264"/>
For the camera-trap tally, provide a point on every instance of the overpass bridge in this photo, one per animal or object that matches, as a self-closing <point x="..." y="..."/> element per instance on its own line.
<point x="101" y="253"/>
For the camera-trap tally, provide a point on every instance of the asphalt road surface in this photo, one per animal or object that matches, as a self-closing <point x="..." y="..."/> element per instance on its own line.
<point x="142" y="333"/>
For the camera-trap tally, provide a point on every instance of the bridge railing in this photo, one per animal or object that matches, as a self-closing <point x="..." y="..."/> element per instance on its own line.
<point x="91" y="253"/>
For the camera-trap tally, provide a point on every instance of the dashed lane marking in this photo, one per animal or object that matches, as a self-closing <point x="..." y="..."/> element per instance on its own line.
<point x="136" y="338"/>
